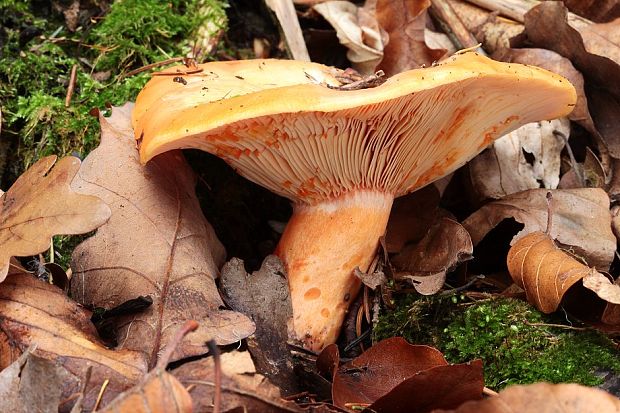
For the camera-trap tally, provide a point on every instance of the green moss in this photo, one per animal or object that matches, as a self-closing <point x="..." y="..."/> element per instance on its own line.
<point x="512" y="338"/>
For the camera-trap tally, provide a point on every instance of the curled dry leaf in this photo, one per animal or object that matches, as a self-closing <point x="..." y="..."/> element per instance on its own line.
<point x="241" y="385"/>
<point x="544" y="398"/>
<point x="34" y="312"/>
<point x="446" y="244"/>
<point x="546" y="273"/>
<point x="30" y="384"/>
<point x="595" y="10"/>
<point x="581" y="219"/>
<point x="41" y="204"/>
<point x="157" y="243"/>
<point x="357" y="29"/>
<point x="504" y="168"/>
<point x="395" y="376"/>
<point x="404" y="21"/>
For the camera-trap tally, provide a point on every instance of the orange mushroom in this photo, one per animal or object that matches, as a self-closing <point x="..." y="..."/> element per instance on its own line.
<point x="341" y="156"/>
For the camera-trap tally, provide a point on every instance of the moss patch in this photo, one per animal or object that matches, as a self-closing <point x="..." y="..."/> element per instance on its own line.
<point x="512" y="338"/>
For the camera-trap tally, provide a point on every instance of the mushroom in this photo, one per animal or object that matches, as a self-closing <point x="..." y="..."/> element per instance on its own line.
<point x="340" y="155"/>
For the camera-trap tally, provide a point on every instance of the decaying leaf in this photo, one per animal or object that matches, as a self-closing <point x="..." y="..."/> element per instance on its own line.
<point x="34" y="312"/>
<point x="357" y="30"/>
<point x="241" y="385"/>
<point x="157" y="243"/>
<point x="544" y="398"/>
<point x="264" y="297"/>
<point x="159" y="391"/>
<point x="30" y="384"/>
<point x="446" y="244"/>
<point x="41" y="204"/>
<point x="581" y="219"/>
<point x="546" y="273"/>
<point x="395" y="376"/>
<point x="595" y="10"/>
<point x="404" y="21"/>
<point x="520" y="160"/>
<point x="592" y="48"/>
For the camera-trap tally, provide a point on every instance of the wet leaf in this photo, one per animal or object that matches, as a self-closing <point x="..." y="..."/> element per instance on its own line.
<point x="30" y="384"/>
<point x="41" y="204"/>
<point x="544" y="398"/>
<point x="446" y="244"/>
<point x="581" y="219"/>
<point x="404" y="22"/>
<point x="241" y="385"/>
<point x="521" y="160"/>
<point x="34" y="312"/>
<point x="157" y="243"/>
<point x="394" y="375"/>
<point x="546" y="273"/>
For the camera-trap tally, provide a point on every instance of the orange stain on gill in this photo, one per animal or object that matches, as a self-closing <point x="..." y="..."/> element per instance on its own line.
<point x="312" y="294"/>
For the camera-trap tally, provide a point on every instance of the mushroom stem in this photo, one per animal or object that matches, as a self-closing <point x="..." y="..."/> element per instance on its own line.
<point x="322" y="244"/>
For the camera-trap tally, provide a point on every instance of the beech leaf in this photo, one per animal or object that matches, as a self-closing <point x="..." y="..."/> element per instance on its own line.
<point x="157" y="243"/>
<point x="41" y="204"/>
<point x="544" y="398"/>
<point x="34" y="312"/>
<point x="581" y="219"/>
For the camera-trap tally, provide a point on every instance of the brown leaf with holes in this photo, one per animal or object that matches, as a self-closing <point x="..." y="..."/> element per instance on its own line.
<point x="395" y="376"/>
<point x="581" y="219"/>
<point x="33" y="312"/>
<point x="404" y="21"/>
<point x="41" y="204"/>
<point x="544" y="398"/>
<point x="546" y="273"/>
<point x="242" y="386"/>
<point x="157" y="243"/>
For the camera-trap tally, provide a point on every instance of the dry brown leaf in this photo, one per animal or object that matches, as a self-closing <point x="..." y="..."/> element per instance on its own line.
<point x="395" y="376"/>
<point x="595" y="10"/>
<point x="504" y="169"/>
<point x="544" y="398"/>
<point x="581" y="219"/>
<point x="34" y="312"/>
<point x="404" y="21"/>
<point x="30" y="384"/>
<point x="446" y="244"/>
<point x="264" y="296"/>
<point x="593" y="48"/>
<point x="241" y="385"/>
<point x="159" y="391"/>
<point x="546" y="273"/>
<point x="157" y="243"/>
<point x="357" y="30"/>
<point x="40" y="204"/>
<point x="605" y="108"/>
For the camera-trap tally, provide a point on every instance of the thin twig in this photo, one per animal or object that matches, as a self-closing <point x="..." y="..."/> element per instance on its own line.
<point x="365" y="83"/>
<point x="188" y="62"/>
<point x="217" y="398"/>
<point x="462" y="287"/>
<point x="358" y="340"/>
<point x="446" y="14"/>
<point x="549" y="213"/>
<point x="71" y="87"/>
<point x="555" y="325"/>
<point x="100" y="395"/>
<point x="489" y="392"/>
<point x="188" y="326"/>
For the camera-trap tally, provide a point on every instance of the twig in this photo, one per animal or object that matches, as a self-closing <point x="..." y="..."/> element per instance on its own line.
<point x="289" y="23"/>
<point x="446" y="14"/>
<point x="357" y="341"/>
<point x="166" y="355"/>
<point x="100" y="395"/>
<point x="549" y="213"/>
<point x="489" y="392"/>
<point x="462" y="287"/>
<point x="516" y="9"/>
<point x="571" y="155"/>
<point x="71" y="87"/>
<point x="190" y="63"/>
<point x="365" y="83"/>
<point x="217" y="397"/>
<point x="555" y="325"/>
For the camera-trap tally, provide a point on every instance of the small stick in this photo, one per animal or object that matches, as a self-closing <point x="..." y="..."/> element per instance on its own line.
<point x="191" y="65"/>
<point x="71" y="88"/>
<point x="516" y="9"/>
<point x="365" y="83"/>
<point x="100" y="395"/>
<point x="571" y="155"/>
<point x="555" y="325"/>
<point x="549" y="213"/>
<point x="489" y="392"/>
<point x="187" y="327"/>
<point x="217" y="398"/>
<point x="446" y="14"/>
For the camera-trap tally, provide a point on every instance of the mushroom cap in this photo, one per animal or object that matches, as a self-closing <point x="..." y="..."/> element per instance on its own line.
<point x="279" y="124"/>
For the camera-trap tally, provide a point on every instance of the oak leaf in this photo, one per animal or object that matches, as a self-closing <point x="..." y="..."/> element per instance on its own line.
<point x="41" y="204"/>
<point x="157" y="243"/>
<point x="34" y="312"/>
